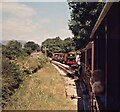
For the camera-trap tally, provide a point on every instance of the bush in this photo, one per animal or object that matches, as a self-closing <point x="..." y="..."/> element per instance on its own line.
<point x="11" y="78"/>
<point x="17" y="64"/>
<point x="13" y="50"/>
<point x="30" y="64"/>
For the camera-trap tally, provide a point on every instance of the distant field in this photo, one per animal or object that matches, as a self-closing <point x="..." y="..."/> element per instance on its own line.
<point x="43" y="90"/>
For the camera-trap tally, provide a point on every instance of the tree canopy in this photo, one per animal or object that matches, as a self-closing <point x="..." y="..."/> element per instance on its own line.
<point x="83" y="17"/>
<point x="57" y="45"/>
<point x="30" y="47"/>
<point x="69" y="44"/>
<point x="12" y="50"/>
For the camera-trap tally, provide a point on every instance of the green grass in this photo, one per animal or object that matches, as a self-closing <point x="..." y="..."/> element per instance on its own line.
<point x="32" y="63"/>
<point x="43" y="90"/>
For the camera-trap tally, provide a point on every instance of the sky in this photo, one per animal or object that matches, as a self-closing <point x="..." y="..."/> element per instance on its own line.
<point x="34" y="21"/>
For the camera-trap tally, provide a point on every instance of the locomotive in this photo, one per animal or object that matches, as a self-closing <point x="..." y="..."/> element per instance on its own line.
<point x="70" y="59"/>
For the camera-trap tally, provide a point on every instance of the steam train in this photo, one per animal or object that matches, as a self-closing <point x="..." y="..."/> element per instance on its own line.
<point x="66" y="58"/>
<point x="102" y="52"/>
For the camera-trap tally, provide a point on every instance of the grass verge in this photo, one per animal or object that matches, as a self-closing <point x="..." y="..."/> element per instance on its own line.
<point x="43" y="90"/>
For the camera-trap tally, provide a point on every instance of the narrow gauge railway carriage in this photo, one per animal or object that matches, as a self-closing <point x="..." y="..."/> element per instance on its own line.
<point x="105" y="53"/>
<point x="61" y="57"/>
<point x="86" y="55"/>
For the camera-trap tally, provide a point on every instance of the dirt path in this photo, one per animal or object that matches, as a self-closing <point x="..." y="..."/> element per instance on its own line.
<point x="43" y="90"/>
<point x="70" y="87"/>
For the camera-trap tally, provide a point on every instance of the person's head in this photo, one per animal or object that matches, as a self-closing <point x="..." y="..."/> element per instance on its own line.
<point x="97" y="75"/>
<point x="97" y="88"/>
<point x="78" y="52"/>
<point x="98" y="82"/>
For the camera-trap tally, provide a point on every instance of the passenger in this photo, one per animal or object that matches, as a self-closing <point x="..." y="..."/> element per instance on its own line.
<point x="78" y="58"/>
<point x="78" y="62"/>
<point x="98" y="85"/>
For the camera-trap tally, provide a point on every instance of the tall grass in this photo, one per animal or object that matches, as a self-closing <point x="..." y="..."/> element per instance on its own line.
<point x="44" y="90"/>
<point x="14" y="72"/>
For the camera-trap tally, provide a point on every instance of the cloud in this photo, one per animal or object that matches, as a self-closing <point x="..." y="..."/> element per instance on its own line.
<point x="64" y="33"/>
<point x="34" y="1"/>
<point x="0" y="30"/>
<point x="44" y="21"/>
<point x="21" y="11"/>
<point x="1" y="7"/>
<point x="0" y="12"/>
<point x="19" y="23"/>
<point x="15" y="27"/>
<point x="0" y="21"/>
<point x="24" y="30"/>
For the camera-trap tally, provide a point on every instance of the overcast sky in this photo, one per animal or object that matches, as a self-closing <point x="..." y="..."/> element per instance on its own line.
<point x="35" y="21"/>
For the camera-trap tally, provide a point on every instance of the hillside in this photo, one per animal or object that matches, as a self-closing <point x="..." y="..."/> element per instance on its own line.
<point x="43" y="90"/>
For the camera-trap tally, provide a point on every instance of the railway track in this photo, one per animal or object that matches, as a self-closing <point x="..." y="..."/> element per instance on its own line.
<point x="64" y="67"/>
<point x="83" y="102"/>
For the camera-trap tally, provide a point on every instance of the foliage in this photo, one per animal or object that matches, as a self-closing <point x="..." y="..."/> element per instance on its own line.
<point x="16" y="65"/>
<point x="53" y="45"/>
<point x="83" y="17"/>
<point x="57" y="45"/>
<point x="42" y="91"/>
<point x="30" y="64"/>
<point x="69" y="45"/>
<point x="12" y="50"/>
<point x="11" y="78"/>
<point x="30" y="47"/>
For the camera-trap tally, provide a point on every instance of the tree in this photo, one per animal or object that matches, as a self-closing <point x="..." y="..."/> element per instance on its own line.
<point x="30" y="47"/>
<point x="56" y="45"/>
<point x="13" y="49"/>
<point x="69" y="45"/>
<point x="52" y="45"/>
<point x="11" y="78"/>
<point x="83" y="18"/>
